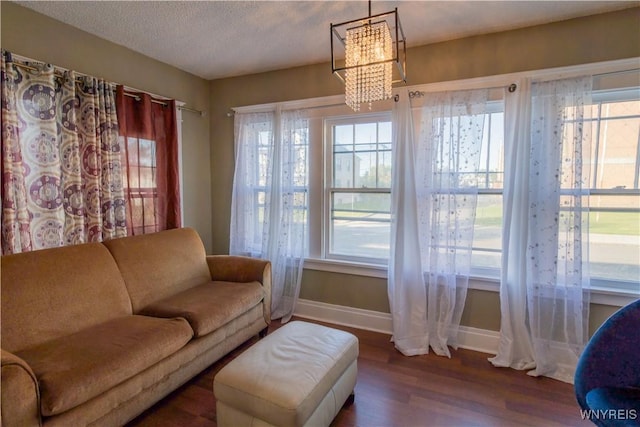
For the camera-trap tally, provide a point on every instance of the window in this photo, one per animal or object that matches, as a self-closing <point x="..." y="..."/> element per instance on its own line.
<point x="614" y="196"/>
<point x="140" y="184"/>
<point x="258" y="154"/>
<point x="487" y="234"/>
<point x="149" y="134"/>
<point x="614" y="193"/>
<point x="262" y="155"/>
<point x="358" y="188"/>
<point x="349" y="188"/>
<point x="270" y="197"/>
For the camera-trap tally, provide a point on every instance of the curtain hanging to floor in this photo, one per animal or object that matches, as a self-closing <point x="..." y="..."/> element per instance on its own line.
<point x="434" y="196"/>
<point x="270" y="199"/>
<point x="545" y="276"/>
<point x="61" y="175"/>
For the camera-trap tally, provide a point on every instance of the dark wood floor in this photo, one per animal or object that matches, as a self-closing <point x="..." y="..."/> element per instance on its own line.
<point x="398" y="391"/>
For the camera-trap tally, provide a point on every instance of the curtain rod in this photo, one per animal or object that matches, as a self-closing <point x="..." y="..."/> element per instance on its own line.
<point x="234" y="110"/>
<point x="420" y="93"/>
<point x="58" y="74"/>
<point x="158" y="101"/>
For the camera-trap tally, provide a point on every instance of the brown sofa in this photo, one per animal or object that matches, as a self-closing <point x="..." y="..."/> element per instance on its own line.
<point x="94" y="334"/>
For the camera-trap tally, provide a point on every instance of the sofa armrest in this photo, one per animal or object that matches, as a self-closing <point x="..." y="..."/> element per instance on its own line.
<point x="20" y="395"/>
<point x="232" y="268"/>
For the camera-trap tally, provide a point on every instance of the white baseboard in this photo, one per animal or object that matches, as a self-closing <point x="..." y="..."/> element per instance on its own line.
<point x="481" y="340"/>
<point x="347" y="316"/>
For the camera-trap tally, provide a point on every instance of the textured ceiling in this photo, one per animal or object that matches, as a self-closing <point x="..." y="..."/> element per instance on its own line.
<point x="215" y="39"/>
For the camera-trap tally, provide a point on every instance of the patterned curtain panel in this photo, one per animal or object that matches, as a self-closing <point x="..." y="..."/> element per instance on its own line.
<point x="61" y="174"/>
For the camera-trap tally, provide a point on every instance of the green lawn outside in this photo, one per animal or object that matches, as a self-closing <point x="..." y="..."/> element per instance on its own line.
<point x="616" y="223"/>
<point x="619" y="223"/>
<point x="613" y="223"/>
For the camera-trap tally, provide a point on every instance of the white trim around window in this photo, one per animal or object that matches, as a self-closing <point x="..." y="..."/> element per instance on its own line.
<point x="333" y="106"/>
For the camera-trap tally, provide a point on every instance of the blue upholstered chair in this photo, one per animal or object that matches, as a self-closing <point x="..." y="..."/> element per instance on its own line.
<point x="608" y="373"/>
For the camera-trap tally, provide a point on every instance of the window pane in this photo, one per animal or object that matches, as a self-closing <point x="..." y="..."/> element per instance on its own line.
<point x="132" y="179"/>
<point x="366" y="133"/>
<point x="259" y="221"/>
<point x="300" y="202"/>
<point x="360" y="225"/>
<point x="132" y="151"/>
<point x="366" y="169"/>
<point x="614" y="219"/>
<point x="342" y="170"/>
<point x="384" y="167"/>
<point x="614" y="237"/>
<point x="264" y="138"/>
<point x="491" y="170"/>
<point x="147" y="152"/>
<point x="264" y="155"/>
<point x="141" y="183"/>
<point x="617" y="154"/>
<point x="300" y="172"/>
<point x="487" y="234"/>
<point x="147" y="177"/>
<point x="487" y="239"/>
<point x="149" y="211"/>
<point x="370" y="164"/>
<point x="359" y="222"/>
<point x="625" y="108"/>
<point x="343" y="135"/>
<point x="384" y="132"/>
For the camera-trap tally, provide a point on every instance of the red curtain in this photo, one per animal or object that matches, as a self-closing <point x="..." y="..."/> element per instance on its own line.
<point x="148" y="129"/>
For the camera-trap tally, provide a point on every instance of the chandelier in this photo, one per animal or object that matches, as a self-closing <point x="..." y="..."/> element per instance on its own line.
<point x="365" y="55"/>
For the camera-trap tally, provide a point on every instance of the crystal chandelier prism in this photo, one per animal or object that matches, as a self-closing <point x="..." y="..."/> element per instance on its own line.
<point x="372" y="46"/>
<point x="369" y="70"/>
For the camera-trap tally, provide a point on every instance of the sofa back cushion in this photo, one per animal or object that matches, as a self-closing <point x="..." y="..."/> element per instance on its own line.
<point x="51" y="293"/>
<point x="158" y="265"/>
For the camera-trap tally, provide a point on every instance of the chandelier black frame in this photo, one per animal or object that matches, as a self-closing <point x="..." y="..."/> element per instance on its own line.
<point x="338" y="32"/>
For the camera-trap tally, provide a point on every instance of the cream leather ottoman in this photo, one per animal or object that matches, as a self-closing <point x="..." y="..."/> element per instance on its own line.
<point x="300" y="375"/>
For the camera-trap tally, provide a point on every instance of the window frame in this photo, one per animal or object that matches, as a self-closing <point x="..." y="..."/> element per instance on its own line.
<point x="152" y="192"/>
<point x="329" y="189"/>
<point x="492" y="107"/>
<point x="333" y="106"/>
<point x="601" y="97"/>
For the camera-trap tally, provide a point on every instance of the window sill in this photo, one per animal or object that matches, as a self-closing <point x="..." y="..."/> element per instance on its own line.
<point x="346" y="267"/>
<point x="599" y="294"/>
<point x="614" y="297"/>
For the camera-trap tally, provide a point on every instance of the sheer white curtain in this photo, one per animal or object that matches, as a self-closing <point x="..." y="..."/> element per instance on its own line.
<point x="515" y="352"/>
<point x="270" y="199"/>
<point x="406" y="286"/>
<point x="434" y="199"/>
<point x="545" y="278"/>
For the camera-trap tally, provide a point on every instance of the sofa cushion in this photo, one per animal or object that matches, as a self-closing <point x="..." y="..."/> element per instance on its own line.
<point x="51" y="293"/>
<point x="209" y="306"/>
<point x="157" y="265"/>
<point x="73" y="369"/>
